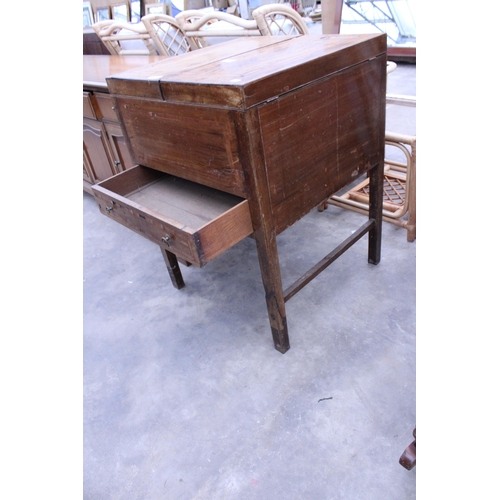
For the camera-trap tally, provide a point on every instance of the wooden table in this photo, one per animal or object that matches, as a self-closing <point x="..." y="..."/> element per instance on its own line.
<point x="261" y="131"/>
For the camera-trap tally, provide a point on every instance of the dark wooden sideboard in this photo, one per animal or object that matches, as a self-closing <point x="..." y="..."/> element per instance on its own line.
<point x="92" y="44"/>
<point x="245" y="138"/>
<point x="105" y="152"/>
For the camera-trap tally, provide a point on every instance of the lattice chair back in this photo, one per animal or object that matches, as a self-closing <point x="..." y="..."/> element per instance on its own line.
<point x="203" y="29"/>
<point x="279" y="19"/>
<point x="125" y="38"/>
<point x="166" y="34"/>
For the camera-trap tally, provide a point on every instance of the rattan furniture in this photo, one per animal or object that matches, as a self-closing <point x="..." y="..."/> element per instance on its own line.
<point x="400" y="180"/>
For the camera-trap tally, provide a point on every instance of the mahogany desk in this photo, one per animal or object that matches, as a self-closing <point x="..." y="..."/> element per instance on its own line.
<point x="244" y="139"/>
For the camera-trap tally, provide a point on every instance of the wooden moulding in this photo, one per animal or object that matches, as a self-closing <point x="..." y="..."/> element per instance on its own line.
<point x="195" y="222"/>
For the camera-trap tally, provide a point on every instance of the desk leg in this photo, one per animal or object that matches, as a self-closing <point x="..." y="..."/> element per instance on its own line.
<point x="173" y="268"/>
<point x="271" y="279"/>
<point x="375" y="212"/>
<point x="251" y="155"/>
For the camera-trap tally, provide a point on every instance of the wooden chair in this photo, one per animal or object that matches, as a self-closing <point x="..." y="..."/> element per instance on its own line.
<point x="278" y="19"/>
<point x="166" y="34"/>
<point x="203" y="29"/>
<point x="125" y="38"/>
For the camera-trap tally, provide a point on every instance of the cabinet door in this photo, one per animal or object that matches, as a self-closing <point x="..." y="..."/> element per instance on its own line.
<point x="97" y="157"/>
<point x="87" y="167"/>
<point x="122" y="159"/>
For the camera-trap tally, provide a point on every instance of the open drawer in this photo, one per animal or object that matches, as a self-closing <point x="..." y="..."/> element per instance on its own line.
<point x="192" y="221"/>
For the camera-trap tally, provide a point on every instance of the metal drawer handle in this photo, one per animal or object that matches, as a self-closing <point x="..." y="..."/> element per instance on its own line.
<point x="166" y="240"/>
<point x="108" y="209"/>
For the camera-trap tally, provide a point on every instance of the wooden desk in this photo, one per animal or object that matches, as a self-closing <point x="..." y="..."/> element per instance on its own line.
<point x="269" y="127"/>
<point x="105" y="152"/>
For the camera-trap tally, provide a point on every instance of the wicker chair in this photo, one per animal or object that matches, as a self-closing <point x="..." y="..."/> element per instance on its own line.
<point x="399" y="187"/>
<point x="125" y="38"/>
<point x="203" y="29"/>
<point x="166" y="34"/>
<point x="278" y="19"/>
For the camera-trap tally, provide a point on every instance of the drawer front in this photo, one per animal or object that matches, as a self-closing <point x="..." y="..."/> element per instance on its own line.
<point x="172" y="230"/>
<point x="88" y="108"/>
<point x="104" y="107"/>
<point x="168" y="234"/>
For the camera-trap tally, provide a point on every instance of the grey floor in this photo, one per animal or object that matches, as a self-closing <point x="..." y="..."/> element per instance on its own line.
<point x="185" y="396"/>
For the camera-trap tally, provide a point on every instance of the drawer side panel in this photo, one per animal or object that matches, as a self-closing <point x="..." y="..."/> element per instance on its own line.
<point x="224" y="232"/>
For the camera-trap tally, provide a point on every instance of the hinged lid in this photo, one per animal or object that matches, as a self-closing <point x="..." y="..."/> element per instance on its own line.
<point x="248" y="71"/>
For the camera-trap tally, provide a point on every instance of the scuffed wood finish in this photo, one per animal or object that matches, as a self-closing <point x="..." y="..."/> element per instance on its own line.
<point x="320" y="138"/>
<point x="254" y="164"/>
<point x="234" y="75"/>
<point x="195" y="143"/>
<point x="146" y="82"/>
<point x="96" y="68"/>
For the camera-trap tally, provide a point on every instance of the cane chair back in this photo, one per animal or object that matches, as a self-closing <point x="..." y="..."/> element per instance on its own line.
<point x="166" y="34"/>
<point x="203" y="29"/>
<point x="125" y="38"/>
<point x="278" y="19"/>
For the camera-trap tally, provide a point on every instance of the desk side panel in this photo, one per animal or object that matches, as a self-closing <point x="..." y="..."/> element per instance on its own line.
<point x="192" y="142"/>
<point x="322" y="137"/>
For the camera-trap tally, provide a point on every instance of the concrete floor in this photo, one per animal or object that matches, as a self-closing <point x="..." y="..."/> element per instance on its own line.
<point x="185" y="396"/>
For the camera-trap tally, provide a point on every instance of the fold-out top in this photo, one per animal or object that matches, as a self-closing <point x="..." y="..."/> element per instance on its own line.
<point x="245" y="72"/>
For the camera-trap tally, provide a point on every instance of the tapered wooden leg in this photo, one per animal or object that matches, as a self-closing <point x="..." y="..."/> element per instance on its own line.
<point x="271" y="279"/>
<point x="173" y="268"/>
<point x="375" y="212"/>
<point x="251" y="156"/>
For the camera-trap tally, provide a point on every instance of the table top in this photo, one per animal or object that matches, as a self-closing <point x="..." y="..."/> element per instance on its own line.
<point x="97" y="67"/>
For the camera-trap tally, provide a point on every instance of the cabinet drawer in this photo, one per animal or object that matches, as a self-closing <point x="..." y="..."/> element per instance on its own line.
<point x="88" y="108"/>
<point x="195" y="222"/>
<point x="104" y="107"/>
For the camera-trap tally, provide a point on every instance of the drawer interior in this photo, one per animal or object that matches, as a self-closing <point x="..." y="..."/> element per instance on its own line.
<point x="201" y="222"/>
